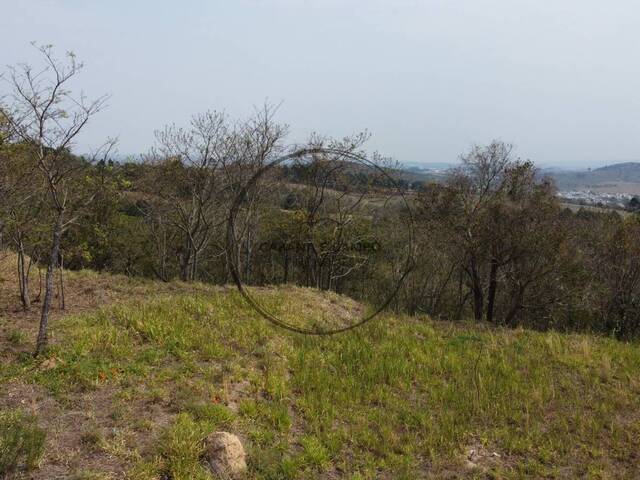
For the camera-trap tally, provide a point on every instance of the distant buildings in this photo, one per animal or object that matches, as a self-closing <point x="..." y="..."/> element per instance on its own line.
<point x="588" y="197"/>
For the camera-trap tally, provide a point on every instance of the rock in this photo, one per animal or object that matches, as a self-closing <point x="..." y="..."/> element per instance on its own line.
<point x="51" y="363"/>
<point x="477" y="457"/>
<point x="472" y="458"/>
<point x="225" y="454"/>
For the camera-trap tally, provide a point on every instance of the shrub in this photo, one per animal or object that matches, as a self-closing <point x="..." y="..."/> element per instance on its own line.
<point x="21" y="441"/>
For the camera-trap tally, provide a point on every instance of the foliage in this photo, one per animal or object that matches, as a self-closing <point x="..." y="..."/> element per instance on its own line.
<point x="491" y="240"/>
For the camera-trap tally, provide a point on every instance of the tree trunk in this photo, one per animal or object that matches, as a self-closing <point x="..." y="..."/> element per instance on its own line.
<point x="185" y="261"/>
<point x="478" y="302"/>
<point x="515" y="307"/>
<point x="286" y="266"/>
<point x="39" y="284"/>
<point x="194" y="266"/>
<point x="23" y="278"/>
<point x="48" y="291"/>
<point x="248" y="252"/>
<point x="478" y="295"/>
<point x="62" y="302"/>
<point x="493" y="286"/>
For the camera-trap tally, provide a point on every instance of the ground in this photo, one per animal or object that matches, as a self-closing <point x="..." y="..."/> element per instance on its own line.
<point x="139" y="372"/>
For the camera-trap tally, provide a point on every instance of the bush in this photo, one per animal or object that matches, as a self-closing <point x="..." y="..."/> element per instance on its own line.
<point x="21" y="441"/>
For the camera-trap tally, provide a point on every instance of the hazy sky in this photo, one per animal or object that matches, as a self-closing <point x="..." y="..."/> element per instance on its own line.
<point x="559" y="79"/>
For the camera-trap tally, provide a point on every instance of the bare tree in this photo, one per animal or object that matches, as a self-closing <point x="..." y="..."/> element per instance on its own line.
<point x="44" y="113"/>
<point x="20" y="204"/>
<point x="331" y="198"/>
<point x="185" y="187"/>
<point x="254" y="143"/>
<point x="194" y="174"/>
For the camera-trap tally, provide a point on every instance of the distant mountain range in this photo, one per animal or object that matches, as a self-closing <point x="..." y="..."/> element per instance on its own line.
<point x="414" y="166"/>
<point x="616" y="178"/>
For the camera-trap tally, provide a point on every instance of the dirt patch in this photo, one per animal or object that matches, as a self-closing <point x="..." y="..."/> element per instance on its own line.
<point x="65" y="425"/>
<point x="84" y="291"/>
<point x="477" y="457"/>
<point x="309" y="308"/>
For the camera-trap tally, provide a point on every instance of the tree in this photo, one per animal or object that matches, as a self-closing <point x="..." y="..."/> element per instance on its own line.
<point x="320" y="222"/>
<point x="610" y="258"/>
<point x="44" y="113"/>
<point x="187" y="182"/>
<point x="498" y="222"/>
<point x="193" y="174"/>
<point x="21" y="207"/>
<point x="255" y="142"/>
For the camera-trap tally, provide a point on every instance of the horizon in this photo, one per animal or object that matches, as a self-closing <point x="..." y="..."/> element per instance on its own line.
<point x="427" y="79"/>
<point x="135" y="157"/>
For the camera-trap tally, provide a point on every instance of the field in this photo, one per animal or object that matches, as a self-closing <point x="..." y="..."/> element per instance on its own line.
<point x="574" y="207"/>
<point x="139" y="372"/>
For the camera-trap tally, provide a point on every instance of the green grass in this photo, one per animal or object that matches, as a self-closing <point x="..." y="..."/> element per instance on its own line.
<point x="21" y="441"/>
<point x="400" y="398"/>
<point x="16" y="338"/>
<point x="181" y="447"/>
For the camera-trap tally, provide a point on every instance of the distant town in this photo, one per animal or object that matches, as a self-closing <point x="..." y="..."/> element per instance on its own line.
<point x="622" y="201"/>
<point x="615" y="186"/>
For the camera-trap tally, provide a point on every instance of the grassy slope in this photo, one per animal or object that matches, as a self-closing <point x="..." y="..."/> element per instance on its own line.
<point x="129" y="390"/>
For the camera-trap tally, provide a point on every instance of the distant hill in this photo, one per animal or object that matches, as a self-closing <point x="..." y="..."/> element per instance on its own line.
<point x="618" y="178"/>
<point x="428" y="166"/>
<point x="628" y="172"/>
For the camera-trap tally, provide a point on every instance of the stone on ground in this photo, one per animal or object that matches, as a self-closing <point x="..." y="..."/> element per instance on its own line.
<point x="225" y="454"/>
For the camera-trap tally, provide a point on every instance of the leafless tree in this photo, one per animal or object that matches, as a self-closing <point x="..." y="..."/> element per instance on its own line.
<point x="44" y="113"/>
<point x="185" y="188"/>
<point x="331" y="198"/>
<point x="20" y="203"/>
<point x="195" y="172"/>
<point x="254" y="143"/>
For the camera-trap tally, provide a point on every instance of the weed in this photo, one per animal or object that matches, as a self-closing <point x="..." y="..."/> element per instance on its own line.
<point x="17" y="337"/>
<point x="21" y="441"/>
<point x="181" y="447"/>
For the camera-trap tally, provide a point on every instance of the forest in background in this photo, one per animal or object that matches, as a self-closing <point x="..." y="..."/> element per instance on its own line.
<point x="490" y="242"/>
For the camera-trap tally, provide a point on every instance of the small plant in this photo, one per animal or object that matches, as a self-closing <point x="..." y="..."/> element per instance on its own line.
<point x="21" y="441"/>
<point x="16" y="337"/>
<point x="181" y="448"/>
<point x="215" y="414"/>
<point x="92" y="439"/>
<point x="314" y="453"/>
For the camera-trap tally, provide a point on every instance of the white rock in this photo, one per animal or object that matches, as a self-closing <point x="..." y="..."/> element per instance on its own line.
<point x="225" y="454"/>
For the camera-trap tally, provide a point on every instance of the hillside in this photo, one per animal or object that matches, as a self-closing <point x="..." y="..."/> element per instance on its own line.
<point x="616" y="178"/>
<point x="139" y="372"/>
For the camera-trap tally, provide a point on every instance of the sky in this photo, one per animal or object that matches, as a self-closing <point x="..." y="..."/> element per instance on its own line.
<point x="427" y="78"/>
